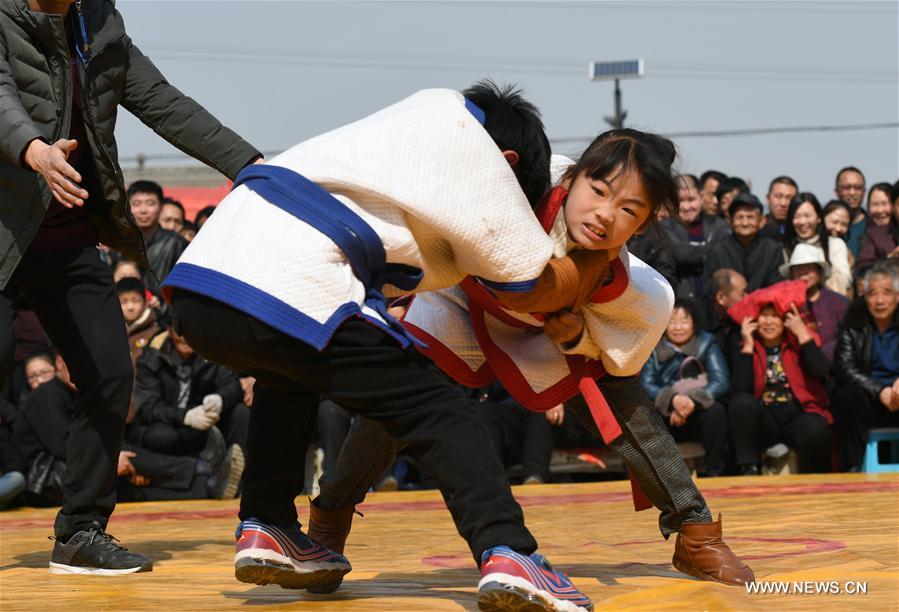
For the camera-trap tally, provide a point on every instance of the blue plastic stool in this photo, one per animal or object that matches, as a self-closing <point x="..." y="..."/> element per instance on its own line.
<point x="871" y="464"/>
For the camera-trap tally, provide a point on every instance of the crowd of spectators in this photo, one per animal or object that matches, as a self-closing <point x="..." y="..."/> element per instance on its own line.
<point x="784" y="338"/>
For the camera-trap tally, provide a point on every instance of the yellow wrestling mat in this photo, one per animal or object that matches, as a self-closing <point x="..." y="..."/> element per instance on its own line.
<point x="823" y="539"/>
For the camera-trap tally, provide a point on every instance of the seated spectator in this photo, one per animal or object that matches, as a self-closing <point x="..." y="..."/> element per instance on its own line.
<point x="755" y="257"/>
<point x="837" y="216"/>
<point x="729" y="287"/>
<point x="867" y="365"/>
<point x="690" y="234"/>
<point x="777" y="381"/>
<point x="28" y="339"/>
<point x="140" y="319"/>
<point x="180" y="396"/>
<point x="203" y="214"/>
<point x="881" y="238"/>
<point x="164" y="247"/>
<point x="708" y="185"/>
<point x="41" y="428"/>
<point x="687" y="378"/>
<point x="805" y="224"/>
<point x="824" y="309"/>
<point x="781" y="192"/>
<point x="171" y="215"/>
<point x="727" y="190"/>
<point x="12" y="468"/>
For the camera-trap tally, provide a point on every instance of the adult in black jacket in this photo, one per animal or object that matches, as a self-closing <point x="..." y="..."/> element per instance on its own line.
<point x="690" y="234"/>
<point x="654" y="248"/>
<point x="174" y="388"/>
<point x="866" y="365"/>
<point x="755" y="257"/>
<point x="164" y="247"/>
<point x="65" y="67"/>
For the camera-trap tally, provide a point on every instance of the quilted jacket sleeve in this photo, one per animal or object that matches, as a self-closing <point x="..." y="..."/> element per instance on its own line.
<point x="16" y="125"/>
<point x="180" y="119"/>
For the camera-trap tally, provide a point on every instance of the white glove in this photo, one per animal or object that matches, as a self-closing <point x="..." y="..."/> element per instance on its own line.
<point x="212" y="403"/>
<point x="198" y="418"/>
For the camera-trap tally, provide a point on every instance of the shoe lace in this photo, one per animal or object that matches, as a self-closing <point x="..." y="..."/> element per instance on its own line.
<point x="104" y="540"/>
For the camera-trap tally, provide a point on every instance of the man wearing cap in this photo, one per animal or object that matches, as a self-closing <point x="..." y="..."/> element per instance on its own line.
<point x="755" y="257"/>
<point x="824" y="309"/>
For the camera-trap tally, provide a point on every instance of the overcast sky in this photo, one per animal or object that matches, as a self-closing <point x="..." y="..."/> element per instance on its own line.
<point x="281" y="72"/>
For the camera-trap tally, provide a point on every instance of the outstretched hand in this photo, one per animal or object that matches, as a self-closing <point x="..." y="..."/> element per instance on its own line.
<point x="51" y="162"/>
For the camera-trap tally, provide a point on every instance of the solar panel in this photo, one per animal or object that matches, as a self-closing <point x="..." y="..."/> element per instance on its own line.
<point x="621" y="69"/>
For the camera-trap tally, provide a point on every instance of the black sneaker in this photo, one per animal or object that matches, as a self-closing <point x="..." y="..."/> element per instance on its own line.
<point x="96" y="553"/>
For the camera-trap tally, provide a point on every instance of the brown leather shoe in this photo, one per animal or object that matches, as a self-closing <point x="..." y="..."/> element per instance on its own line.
<point x="330" y="528"/>
<point x="701" y="552"/>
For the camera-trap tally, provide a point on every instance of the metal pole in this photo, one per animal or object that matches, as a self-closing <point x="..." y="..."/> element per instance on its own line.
<point x="617" y="120"/>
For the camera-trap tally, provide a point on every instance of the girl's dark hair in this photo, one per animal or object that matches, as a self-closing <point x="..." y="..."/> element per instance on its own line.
<point x="837" y="205"/>
<point x="618" y="151"/>
<point x="790" y="237"/>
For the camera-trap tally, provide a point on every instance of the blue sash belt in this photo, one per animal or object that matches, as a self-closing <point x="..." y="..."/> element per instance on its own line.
<point x="307" y="201"/>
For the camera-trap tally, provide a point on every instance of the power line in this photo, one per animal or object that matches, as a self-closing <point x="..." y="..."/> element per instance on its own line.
<point x="754" y="131"/>
<point x="578" y="139"/>
<point x="451" y="62"/>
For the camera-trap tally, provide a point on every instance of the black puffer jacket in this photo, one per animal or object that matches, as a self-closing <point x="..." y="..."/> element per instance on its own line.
<point x="855" y="347"/>
<point x="156" y="384"/>
<point x="36" y="93"/>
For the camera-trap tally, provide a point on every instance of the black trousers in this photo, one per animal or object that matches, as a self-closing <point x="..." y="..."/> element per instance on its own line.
<point x="76" y="302"/>
<point x="171" y="477"/>
<point x="710" y="428"/>
<point x="855" y="412"/>
<point x="333" y="424"/>
<point x="366" y="372"/>
<point x="754" y="427"/>
<point x="521" y="436"/>
<point x="645" y="445"/>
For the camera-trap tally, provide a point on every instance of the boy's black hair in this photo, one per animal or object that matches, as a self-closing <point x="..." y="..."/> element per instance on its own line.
<point x="514" y="124"/>
<point x="711" y="174"/>
<point x="145" y="187"/>
<point x="43" y="356"/>
<point x="204" y="213"/>
<point x="782" y="180"/>
<point x="128" y="285"/>
<point x="620" y="150"/>
<point x="729" y="184"/>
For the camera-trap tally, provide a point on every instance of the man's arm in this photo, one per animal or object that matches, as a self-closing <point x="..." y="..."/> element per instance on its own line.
<point x="847" y="368"/>
<point x="149" y="395"/>
<point x="180" y="119"/>
<point x="16" y="126"/>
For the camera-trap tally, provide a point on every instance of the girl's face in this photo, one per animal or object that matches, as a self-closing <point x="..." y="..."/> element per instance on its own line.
<point x="805" y="221"/>
<point x="879" y="208"/>
<point x="680" y="327"/>
<point x="604" y="214"/>
<point x="837" y="222"/>
<point x="771" y="326"/>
